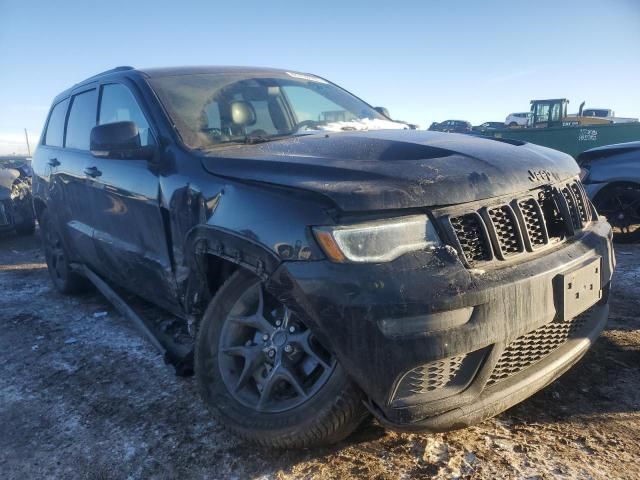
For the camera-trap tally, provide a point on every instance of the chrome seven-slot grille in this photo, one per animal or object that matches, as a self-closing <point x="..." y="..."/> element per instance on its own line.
<point x="539" y="218"/>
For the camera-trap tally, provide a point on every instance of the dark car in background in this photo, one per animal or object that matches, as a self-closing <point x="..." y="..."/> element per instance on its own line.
<point x="488" y="126"/>
<point x="611" y="176"/>
<point x="16" y="209"/>
<point x="327" y="262"/>
<point x="451" y="126"/>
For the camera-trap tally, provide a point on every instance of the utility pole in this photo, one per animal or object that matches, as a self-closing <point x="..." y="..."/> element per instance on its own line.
<point x="26" y="136"/>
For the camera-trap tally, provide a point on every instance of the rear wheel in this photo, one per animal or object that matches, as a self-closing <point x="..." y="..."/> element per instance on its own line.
<point x="64" y="279"/>
<point x="621" y="205"/>
<point x="265" y="375"/>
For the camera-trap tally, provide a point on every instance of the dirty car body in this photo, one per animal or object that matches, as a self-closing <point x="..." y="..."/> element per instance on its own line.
<point x="16" y="211"/>
<point x="611" y="177"/>
<point x="440" y="270"/>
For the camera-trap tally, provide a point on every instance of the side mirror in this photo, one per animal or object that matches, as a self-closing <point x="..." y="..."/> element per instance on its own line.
<point x="383" y="111"/>
<point x="118" y="140"/>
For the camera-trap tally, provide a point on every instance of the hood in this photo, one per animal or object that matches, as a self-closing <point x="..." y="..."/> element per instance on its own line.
<point x="389" y="169"/>
<point x="608" y="151"/>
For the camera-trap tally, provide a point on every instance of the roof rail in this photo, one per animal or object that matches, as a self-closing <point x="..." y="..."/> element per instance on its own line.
<point x="122" y="68"/>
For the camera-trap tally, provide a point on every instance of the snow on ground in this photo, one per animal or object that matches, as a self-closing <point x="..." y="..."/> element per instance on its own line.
<point x="82" y="395"/>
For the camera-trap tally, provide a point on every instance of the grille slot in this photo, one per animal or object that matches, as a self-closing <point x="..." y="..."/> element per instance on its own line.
<point x="429" y="377"/>
<point x="534" y="223"/>
<point x="579" y="196"/>
<point x="472" y="238"/>
<point x="532" y="347"/>
<point x="573" y="207"/>
<point x="507" y="232"/>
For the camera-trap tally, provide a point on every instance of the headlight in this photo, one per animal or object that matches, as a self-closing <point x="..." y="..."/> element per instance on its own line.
<point x="380" y="241"/>
<point x="584" y="173"/>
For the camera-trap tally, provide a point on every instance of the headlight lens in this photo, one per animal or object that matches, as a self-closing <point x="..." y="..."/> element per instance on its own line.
<point x="380" y="241"/>
<point x="584" y="173"/>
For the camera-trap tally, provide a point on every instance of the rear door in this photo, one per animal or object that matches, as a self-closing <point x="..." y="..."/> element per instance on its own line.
<point x="47" y="160"/>
<point x="129" y="230"/>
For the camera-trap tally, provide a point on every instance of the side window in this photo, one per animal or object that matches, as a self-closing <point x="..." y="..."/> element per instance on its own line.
<point x="55" y="126"/>
<point x="118" y="104"/>
<point x="82" y="118"/>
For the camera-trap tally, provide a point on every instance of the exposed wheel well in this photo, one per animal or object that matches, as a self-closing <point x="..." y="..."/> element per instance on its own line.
<point x="610" y="186"/>
<point x="39" y="206"/>
<point x="218" y="271"/>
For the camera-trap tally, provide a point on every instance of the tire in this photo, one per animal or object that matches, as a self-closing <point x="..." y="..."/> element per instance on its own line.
<point x="55" y="254"/>
<point x="620" y="203"/>
<point x="513" y="124"/>
<point x="334" y="406"/>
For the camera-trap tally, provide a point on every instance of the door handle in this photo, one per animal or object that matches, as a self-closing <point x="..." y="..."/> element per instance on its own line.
<point x="53" y="162"/>
<point x="92" y="172"/>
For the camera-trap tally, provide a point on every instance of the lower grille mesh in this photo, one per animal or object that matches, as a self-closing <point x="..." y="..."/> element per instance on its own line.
<point x="534" y="346"/>
<point x="429" y="377"/>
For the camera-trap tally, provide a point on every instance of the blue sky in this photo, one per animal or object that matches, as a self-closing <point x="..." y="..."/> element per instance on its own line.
<point x="425" y="60"/>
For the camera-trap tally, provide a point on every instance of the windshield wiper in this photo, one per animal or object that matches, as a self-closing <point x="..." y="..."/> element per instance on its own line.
<point x="254" y="139"/>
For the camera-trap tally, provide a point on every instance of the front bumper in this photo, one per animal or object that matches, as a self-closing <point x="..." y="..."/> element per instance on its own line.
<point x="426" y="313"/>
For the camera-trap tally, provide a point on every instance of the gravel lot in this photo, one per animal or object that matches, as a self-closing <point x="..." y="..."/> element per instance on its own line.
<point x="82" y="395"/>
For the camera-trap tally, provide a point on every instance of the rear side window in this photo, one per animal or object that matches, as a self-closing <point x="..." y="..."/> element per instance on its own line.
<point x="82" y="118"/>
<point x="55" y="126"/>
<point x="118" y="104"/>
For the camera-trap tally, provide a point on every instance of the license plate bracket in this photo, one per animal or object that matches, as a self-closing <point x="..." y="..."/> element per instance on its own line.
<point x="580" y="288"/>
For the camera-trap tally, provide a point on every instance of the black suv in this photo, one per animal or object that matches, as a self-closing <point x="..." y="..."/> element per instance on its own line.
<point x="328" y="261"/>
<point x="451" y="126"/>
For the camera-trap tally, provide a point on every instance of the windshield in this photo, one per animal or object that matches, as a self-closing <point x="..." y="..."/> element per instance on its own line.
<point x="221" y="108"/>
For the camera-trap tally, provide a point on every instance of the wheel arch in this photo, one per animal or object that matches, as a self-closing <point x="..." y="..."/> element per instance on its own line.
<point x="39" y="206"/>
<point x="609" y="186"/>
<point x="213" y="254"/>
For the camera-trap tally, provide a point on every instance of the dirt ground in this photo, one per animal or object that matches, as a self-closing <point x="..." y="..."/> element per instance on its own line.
<point x="83" y="395"/>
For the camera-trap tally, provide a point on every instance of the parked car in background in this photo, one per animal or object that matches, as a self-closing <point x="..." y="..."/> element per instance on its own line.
<point x="488" y="126"/>
<point x="611" y="176"/>
<point x="517" y="119"/>
<point x="605" y="113"/>
<point x="451" y="126"/>
<point x="598" y="112"/>
<point x="16" y="208"/>
<point x="325" y="265"/>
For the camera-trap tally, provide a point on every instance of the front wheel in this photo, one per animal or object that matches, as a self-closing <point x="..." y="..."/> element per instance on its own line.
<point x="621" y="205"/>
<point x="264" y="374"/>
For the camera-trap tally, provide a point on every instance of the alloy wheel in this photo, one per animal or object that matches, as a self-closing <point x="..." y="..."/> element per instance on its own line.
<point x="269" y="360"/>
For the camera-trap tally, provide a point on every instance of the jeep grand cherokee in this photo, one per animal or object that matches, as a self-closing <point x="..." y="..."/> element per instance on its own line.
<point x="328" y="261"/>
